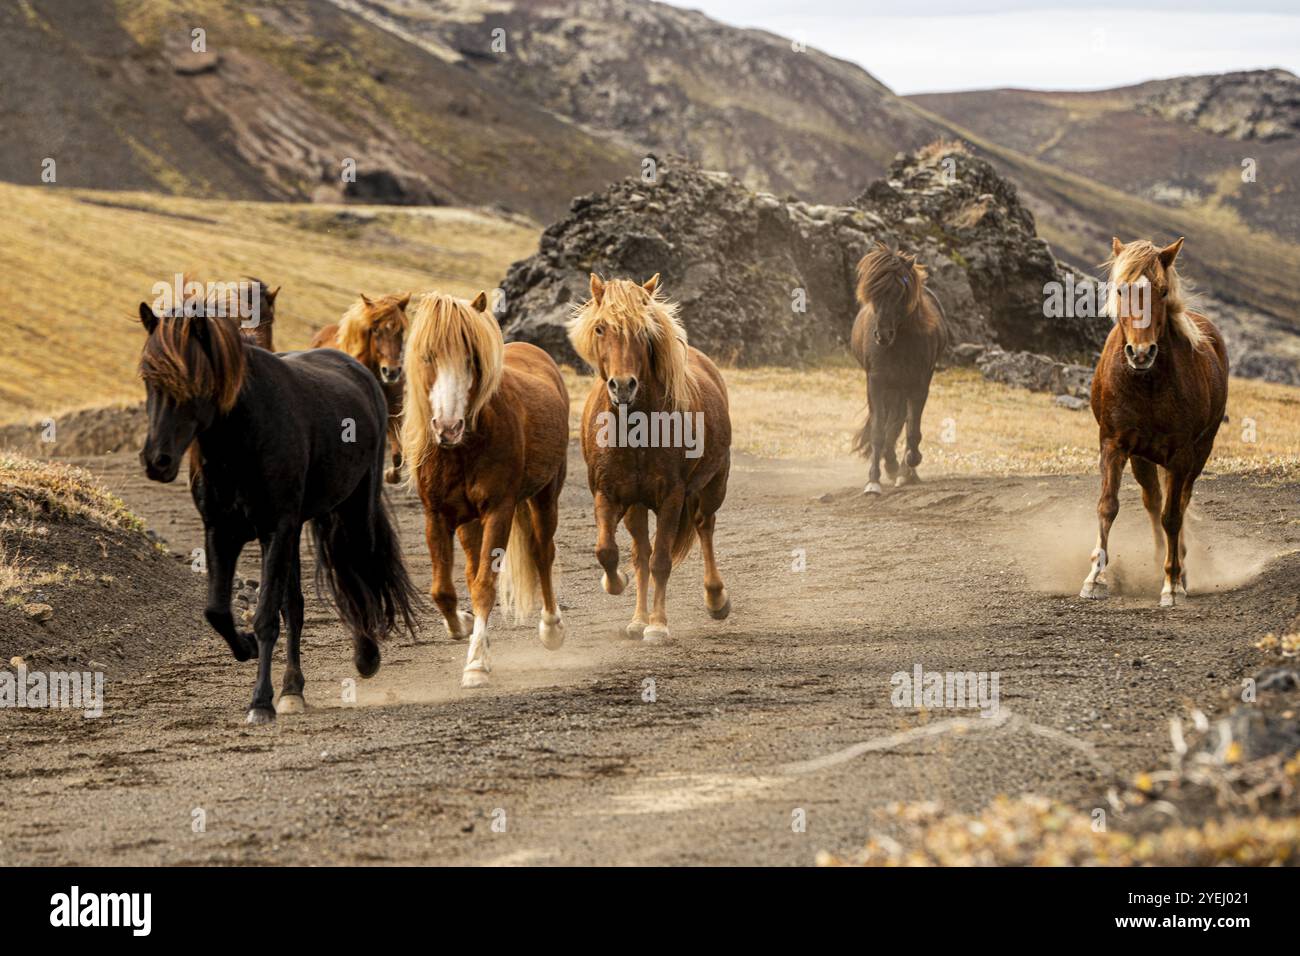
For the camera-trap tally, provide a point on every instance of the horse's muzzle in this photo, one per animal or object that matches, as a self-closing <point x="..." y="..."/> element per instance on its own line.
<point x="449" y="436"/>
<point x="622" y="391"/>
<point x="1140" y="358"/>
<point x="390" y="375"/>
<point x="160" y="467"/>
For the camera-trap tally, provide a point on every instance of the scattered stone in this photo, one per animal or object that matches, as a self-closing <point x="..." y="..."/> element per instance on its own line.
<point x="1038" y="373"/>
<point x="1073" y="402"/>
<point x="39" y="613"/>
<point x="17" y="662"/>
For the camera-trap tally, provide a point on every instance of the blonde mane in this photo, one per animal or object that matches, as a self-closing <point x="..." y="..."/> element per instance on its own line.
<point x="354" y="328"/>
<point x="1141" y="259"/>
<point x="626" y="308"/>
<point x="447" y="329"/>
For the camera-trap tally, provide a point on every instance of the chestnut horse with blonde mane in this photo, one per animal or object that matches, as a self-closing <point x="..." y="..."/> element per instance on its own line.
<point x="373" y="331"/>
<point x="1158" y="394"/>
<point x="897" y="338"/>
<point x="486" y="439"/>
<point x="647" y="374"/>
<point x="262" y="334"/>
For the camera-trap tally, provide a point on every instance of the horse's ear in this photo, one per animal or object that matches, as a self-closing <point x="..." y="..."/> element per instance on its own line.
<point x="597" y="288"/>
<point x="148" y="318"/>
<point x="270" y="296"/>
<point x="365" y="300"/>
<point x="1170" y="252"/>
<point x="1116" y="247"/>
<point x="480" y="302"/>
<point x="651" y="284"/>
<point x="404" y="301"/>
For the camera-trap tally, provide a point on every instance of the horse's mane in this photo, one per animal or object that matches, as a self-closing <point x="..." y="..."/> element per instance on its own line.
<point x="890" y="280"/>
<point x="1141" y="259"/>
<point x="627" y="308"/>
<point x="445" y="328"/>
<point x="177" y="362"/>
<point x="362" y="315"/>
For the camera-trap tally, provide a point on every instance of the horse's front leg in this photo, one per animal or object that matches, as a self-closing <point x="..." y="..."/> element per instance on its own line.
<point x="277" y="556"/>
<point x="912" y="458"/>
<point x="483" y="593"/>
<point x="879" y="422"/>
<point x="1112" y="470"/>
<point x="667" y="519"/>
<point x="222" y="548"/>
<point x="637" y="523"/>
<point x="608" y="515"/>
<point x="394" y="474"/>
<point x="437" y="534"/>
<point x="1178" y="495"/>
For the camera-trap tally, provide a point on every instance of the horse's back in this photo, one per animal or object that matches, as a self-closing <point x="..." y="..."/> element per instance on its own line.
<point x="332" y="378"/>
<point x="326" y="338"/>
<point x="535" y="368"/>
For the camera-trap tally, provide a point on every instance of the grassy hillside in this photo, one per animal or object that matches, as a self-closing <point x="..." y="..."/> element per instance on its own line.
<point x="77" y="263"/>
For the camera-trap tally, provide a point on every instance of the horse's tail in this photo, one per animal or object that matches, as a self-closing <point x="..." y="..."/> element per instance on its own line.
<point x="862" y="442"/>
<point x="684" y="538"/>
<point x="358" y="556"/>
<point x="519" y="584"/>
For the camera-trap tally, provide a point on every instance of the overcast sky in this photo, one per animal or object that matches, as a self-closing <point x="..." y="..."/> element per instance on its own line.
<point x="934" y="45"/>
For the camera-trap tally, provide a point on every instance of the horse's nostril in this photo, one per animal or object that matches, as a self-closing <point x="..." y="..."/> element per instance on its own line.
<point x="163" y="461"/>
<point x="631" y="383"/>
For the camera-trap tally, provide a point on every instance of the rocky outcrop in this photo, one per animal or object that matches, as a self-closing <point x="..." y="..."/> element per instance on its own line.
<point x="1255" y="104"/>
<point x="762" y="280"/>
<point x="1038" y="373"/>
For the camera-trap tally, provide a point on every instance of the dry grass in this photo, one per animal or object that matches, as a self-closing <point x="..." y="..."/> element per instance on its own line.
<point x="973" y="426"/>
<point x="1033" y="831"/>
<point x="77" y="263"/>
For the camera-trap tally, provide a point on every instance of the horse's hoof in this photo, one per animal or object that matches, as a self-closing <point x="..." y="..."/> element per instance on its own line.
<point x="906" y="478"/>
<point x="291" y="704"/>
<point x="474" y="678"/>
<point x="466" y="621"/>
<point x="636" y="630"/>
<point x="366" y="660"/>
<point x="1169" y="599"/>
<point x="891" y="472"/>
<point x="873" y="488"/>
<point x="260" y="715"/>
<point x="613" y="587"/>
<point x="655" y="634"/>
<point x="1095" y="591"/>
<point x="721" y="613"/>
<point x="551" y="632"/>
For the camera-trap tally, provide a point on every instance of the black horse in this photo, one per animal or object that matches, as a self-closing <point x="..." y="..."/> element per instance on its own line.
<point x="897" y="338"/>
<point x="276" y="442"/>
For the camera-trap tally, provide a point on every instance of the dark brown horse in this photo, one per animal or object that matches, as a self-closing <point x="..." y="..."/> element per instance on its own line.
<point x="487" y="440"/>
<point x="897" y="338"/>
<point x="1158" y="394"/>
<point x="262" y="333"/>
<point x="373" y="331"/>
<point x="656" y="435"/>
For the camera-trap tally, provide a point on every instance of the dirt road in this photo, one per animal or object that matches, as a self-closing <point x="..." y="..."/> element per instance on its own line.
<point x="711" y="749"/>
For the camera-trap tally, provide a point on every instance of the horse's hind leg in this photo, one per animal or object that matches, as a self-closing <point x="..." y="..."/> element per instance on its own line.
<point x="291" y="684"/>
<point x="608" y="515"/>
<point x="276" y="557"/>
<point x="394" y="474"/>
<point x="1148" y="476"/>
<point x="716" y="598"/>
<point x="637" y="522"/>
<point x="1112" y="471"/>
<point x="544" y="512"/>
<point x="1178" y="496"/>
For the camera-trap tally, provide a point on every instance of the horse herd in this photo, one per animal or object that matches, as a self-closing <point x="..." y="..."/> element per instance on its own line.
<point x="279" y="441"/>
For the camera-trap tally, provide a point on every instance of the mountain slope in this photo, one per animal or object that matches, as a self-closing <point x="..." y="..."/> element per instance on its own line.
<point x="1179" y="143"/>
<point x="281" y="96"/>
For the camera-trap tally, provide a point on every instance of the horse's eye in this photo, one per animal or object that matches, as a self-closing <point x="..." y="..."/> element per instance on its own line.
<point x="600" y="330"/>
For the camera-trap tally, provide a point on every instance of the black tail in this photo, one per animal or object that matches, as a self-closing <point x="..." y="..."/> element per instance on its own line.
<point x="358" y="556"/>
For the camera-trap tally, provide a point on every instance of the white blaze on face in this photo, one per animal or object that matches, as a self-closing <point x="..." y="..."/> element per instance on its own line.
<point x="449" y="397"/>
